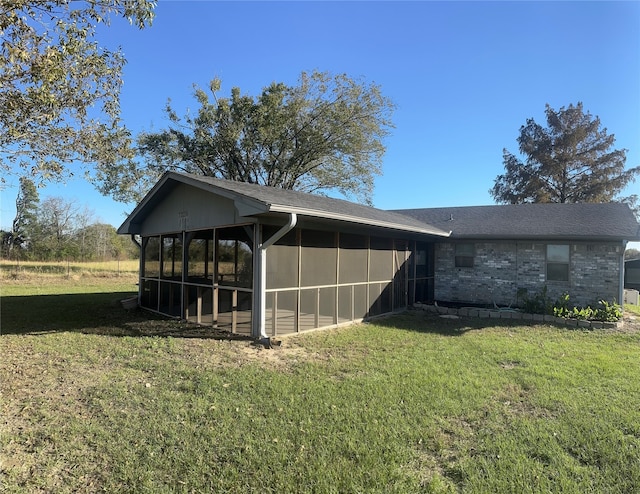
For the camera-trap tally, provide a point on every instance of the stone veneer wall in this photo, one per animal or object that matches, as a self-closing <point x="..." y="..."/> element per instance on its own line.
<point x="501" y="268"/>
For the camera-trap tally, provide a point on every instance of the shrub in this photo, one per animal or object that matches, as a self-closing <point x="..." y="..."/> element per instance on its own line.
<point x="540" y="303"/>
<point x="609" y="312"/>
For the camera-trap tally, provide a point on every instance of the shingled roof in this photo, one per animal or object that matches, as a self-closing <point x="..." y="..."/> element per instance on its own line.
<point x="610" y="221"/>
<point x="256" y="200"/>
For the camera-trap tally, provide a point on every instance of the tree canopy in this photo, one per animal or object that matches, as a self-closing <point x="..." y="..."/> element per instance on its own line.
<point x="571" y="160"/>
<point x="325" y="133"/>
<point x="59" y="89"/>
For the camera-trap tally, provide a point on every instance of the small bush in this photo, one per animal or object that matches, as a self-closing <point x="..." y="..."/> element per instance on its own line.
<point x="540" y="303"/>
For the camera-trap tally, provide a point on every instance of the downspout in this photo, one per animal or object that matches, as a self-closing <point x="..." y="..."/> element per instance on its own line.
<point x="261" y="287"/>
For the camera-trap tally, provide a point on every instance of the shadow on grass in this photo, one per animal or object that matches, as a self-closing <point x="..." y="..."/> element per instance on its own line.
<point x="93" y="313"/>
<point x="102" y="313"/>
<point x="425" y="322"/>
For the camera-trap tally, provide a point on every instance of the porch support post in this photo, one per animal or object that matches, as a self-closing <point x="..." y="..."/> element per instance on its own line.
<point x="260" y="294"/>
<point x="621" y="291"/>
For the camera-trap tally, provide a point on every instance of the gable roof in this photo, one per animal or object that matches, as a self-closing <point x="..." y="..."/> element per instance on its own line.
<point x="586" y="221"/>
<point x="256" y="200"/>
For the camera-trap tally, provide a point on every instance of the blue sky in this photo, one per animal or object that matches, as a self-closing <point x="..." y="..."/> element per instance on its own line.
<point x="464" y="76"/>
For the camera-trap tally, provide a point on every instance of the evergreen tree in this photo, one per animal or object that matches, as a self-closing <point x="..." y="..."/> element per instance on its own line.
<point x="26" y="219"/>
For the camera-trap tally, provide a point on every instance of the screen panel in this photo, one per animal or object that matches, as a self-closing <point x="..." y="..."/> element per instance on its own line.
<point x="282" y="260"/>
<point x="151" y="257"/>
<point x="381" y="265"/>
<point x="354" y="252"/>
<point x="318" y="258"/>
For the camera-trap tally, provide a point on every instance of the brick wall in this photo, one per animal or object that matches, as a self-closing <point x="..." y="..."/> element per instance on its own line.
<point x="501" y="268"/>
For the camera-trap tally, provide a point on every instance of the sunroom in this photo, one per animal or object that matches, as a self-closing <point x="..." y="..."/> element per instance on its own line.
<point x="262" y="262"/>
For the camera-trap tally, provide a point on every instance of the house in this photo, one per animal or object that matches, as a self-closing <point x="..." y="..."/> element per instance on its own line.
<point x="263" y="261"/>
<point x="495" y="253"/>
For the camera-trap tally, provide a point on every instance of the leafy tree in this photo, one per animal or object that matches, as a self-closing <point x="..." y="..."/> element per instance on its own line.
<point x="631" y="254"/>
<point x="26" y="219"/>
<point x="571" y="160"/>
<point x="57" y="222"/>
<point x="101" y="241"/>
<point x="323" y="134"/>
<point x="59" y="90"/>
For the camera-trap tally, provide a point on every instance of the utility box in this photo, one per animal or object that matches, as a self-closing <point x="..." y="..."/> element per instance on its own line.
<point x="631" y="297"/>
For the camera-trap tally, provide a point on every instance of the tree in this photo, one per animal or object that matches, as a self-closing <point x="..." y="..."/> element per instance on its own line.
<point x="26" y="219"/>
<point x="571" y="160"/>
<point x="59" y="90"/>
<point x="630" y="254"/>
<point x="101" y="241"/>
<point x="57" y="222"/>
<point x="323" y="134"/>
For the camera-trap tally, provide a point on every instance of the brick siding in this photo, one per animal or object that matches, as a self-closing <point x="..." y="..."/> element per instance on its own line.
<point x="502" y="268"/>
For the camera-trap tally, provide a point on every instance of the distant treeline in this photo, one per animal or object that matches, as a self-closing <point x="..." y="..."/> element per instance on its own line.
<point x="58" y="229"/>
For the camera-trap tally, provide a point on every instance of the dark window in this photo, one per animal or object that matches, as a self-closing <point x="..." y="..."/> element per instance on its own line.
<point x="557" y="262"/>
<point x="464" y="255"/>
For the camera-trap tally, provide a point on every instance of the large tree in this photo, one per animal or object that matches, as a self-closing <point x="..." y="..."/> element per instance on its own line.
<point x="570" y="160"/>
<point x="59" y="89"/>
<point x="325" y="133"/>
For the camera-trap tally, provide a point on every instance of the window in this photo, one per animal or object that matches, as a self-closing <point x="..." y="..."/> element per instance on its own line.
<point x="557" y="263"/>
<point x="464" y="255"/>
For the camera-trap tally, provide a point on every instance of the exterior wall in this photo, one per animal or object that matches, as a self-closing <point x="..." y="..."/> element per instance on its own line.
<point x="188" y="208"/>
<point x="502" y="268"/>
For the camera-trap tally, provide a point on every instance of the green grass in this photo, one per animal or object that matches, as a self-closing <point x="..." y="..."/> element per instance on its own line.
<point x="633" y="309"/>
<point x="103" y="400"/>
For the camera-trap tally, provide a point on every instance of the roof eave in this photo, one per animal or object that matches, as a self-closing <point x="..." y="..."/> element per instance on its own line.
<point x="276" y="208"/>
<point x="540" y="238"/>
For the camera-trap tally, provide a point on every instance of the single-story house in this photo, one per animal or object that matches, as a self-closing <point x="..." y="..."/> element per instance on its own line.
<point x="496" y="252"/>
<point x="264" y="261"/>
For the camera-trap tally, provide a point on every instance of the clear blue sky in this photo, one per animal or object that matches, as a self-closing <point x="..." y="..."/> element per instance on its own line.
<point x="464" y="75"/>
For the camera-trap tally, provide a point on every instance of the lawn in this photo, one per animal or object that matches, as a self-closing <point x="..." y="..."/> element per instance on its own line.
<point x="98" y="399"/>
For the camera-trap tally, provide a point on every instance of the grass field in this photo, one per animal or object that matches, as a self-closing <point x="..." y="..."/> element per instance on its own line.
<point x="17" y="270"/>
<point x="97" y="399"/>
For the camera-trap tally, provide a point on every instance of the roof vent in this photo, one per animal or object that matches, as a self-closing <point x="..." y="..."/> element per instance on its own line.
<point x="451" y="217"/>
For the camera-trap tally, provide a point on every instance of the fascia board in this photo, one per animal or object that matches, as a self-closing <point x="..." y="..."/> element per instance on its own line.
<point x="546" y="238"/>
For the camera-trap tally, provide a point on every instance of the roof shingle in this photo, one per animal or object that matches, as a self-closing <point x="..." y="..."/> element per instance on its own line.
<point x="550" y="220"/>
